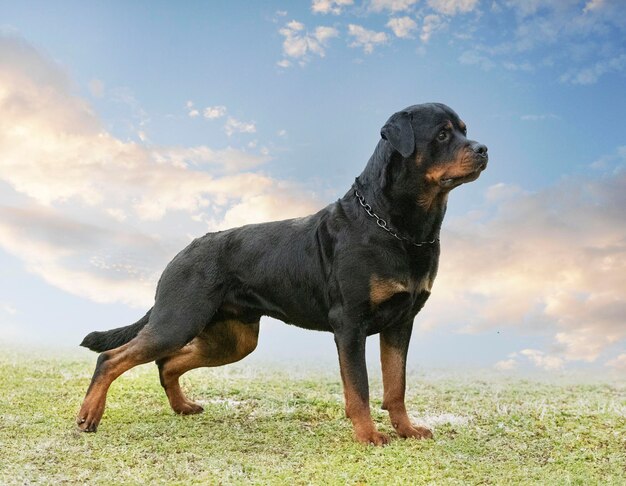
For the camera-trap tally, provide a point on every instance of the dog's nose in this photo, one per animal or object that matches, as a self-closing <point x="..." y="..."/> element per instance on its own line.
<point x="480" y="149"/>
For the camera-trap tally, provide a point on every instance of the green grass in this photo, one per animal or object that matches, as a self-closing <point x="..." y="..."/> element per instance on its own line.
<point x="271" y="427"/>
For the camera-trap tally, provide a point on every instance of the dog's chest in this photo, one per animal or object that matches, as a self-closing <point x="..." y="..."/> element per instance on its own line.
<point x="397" y="299"/>
<point x="383" y="289"/>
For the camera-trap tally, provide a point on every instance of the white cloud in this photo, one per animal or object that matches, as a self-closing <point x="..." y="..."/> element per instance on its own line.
<point x="540" y="117"/>
<point x="323" y="34"/>
<point x="506" y="364"/>
<point x="549" y="262"/>
<point x="518" y="66"/>
<point x="367" y="39"/>
<point x="391" y="5"/>
<point x="299" y="44"/>
<point x="586" y="38"/>
<point x="402" y="26"/>
<point x="84" y="259"/>
<point x="282" y="200"/>
<point x="619" y="363"/>
<point x="191" y="111"/>
<point x="594" y="5"/>
<point x="591" y="74"/>
<point x="474" y="57"/>
<point x="453" y="7"/>
<point x="329" y="6"/>
<point x="432" y="23"/>
<point x="542" y="360"/>
<point x="213" y="112"/>
<point x="233" y="126"/>
<point x="67" y="169"/>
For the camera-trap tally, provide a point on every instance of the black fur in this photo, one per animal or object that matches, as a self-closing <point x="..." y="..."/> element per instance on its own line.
<point x="336" y="270"/>
<point x="100" y="341"/>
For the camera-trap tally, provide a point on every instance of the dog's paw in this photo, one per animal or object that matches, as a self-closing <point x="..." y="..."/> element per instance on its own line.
<point x="372" y="437"/>
<point x="188" y="408"/>
<point x="88" y="420"/>
<point x="414" y="431"/>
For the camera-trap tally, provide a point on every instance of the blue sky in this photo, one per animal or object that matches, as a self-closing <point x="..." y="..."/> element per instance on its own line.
<point x="129" y="128"/>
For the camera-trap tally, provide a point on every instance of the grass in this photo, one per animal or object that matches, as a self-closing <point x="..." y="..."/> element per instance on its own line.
<point x="270" y="427"/>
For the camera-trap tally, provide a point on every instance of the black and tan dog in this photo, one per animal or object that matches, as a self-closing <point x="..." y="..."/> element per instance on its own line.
<point x="362" y="265"/>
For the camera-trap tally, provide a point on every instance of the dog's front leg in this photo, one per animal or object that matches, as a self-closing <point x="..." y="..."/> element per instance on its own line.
<point x="394" y="344"/>
<point x="351" y="349"/>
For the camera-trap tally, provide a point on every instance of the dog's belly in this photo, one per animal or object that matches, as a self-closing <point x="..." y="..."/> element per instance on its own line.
<point x="249" y="306"/>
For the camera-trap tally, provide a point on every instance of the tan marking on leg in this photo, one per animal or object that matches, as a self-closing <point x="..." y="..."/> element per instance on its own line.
<point x="222" y="343"/>
<point x="188" y="358"/>
<point x="119" y="360"/>
<point x="382" y="289"/>
<point x="358" y="411"/>
<point x="394" y="385"/>
<point x="358" y="408"/>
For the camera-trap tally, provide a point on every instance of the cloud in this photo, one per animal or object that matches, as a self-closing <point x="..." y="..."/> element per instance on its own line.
<point x="591" y="74"/>
<point x="84" y="259"/>
<point x="453" y="7"/>
<point x="506" y="364"/>
<point x="98" y="216"/>
<point x="210" y="112"/>
<point x="476" y="58"/>
<point x="258" y="207"/>
<point x="367" y="39"/>
<point x="619" y="363"/>
<point x="329" y="6"/>
<point x="233" y="126"/>
<point x="299" y="44"/>
<point x="542" y="360"/>
<point x="551" y="262"/>
<point x="540" y="117"/>
<point x="191" y="111"/>
<point x="586" y="38"/>
<point x="213" y="112"/>
<point x="391" y="5"/>
<point x="432" y="23"/>
<point x="402" y="26"/>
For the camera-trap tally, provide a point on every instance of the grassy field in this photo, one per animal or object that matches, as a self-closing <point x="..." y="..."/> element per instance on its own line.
<point x="270" y="427"/>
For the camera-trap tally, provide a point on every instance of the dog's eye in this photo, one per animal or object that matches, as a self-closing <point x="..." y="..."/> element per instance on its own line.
<point x="443" y="135"/>
<point x="465" y="131"/>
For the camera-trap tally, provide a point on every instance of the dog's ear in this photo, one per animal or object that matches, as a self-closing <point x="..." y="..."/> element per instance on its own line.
<point x="398" y="131"/>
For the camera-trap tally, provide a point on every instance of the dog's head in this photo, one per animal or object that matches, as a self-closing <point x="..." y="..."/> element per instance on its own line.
<point x="432" y="141"/>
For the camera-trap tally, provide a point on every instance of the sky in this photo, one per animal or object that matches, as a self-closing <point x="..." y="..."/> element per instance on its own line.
<point x="129" y="128"/>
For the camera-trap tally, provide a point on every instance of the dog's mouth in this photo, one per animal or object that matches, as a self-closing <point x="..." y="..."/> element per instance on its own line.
<point x="451" y="182"/>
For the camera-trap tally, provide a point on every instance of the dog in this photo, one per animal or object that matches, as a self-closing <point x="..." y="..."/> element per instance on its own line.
<point x="363" y="265"/>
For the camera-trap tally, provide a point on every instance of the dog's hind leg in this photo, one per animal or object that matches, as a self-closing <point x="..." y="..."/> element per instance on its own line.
<point x="220" y="343"/>
<point x="176" y="319"/>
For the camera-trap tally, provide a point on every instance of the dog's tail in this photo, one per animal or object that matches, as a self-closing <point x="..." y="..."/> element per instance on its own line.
<point x="100" y="341"/>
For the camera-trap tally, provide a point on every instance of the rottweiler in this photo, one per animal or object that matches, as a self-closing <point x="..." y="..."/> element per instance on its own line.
<point x="363" y="265"/>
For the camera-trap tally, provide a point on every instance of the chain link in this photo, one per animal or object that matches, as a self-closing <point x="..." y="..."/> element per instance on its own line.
<point x="383" y="224"/>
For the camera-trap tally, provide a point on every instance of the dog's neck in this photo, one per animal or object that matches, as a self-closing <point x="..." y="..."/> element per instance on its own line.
<point x="408" y="204"/>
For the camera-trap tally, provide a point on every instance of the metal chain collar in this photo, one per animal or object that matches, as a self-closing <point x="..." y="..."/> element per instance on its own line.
<point x="383" y="224"/>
